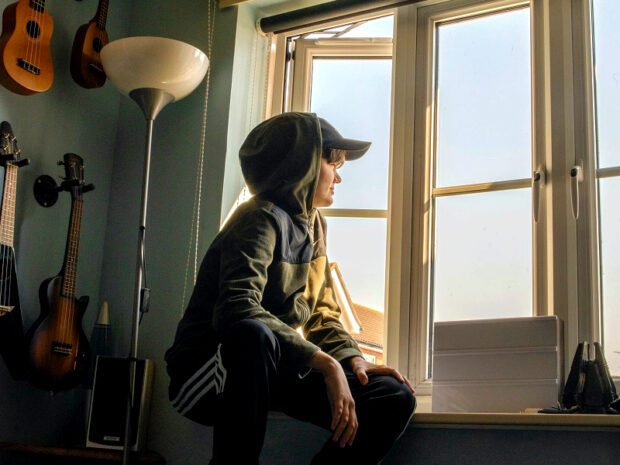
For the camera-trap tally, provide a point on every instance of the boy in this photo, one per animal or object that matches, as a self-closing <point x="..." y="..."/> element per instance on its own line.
<point x="236" y="353"/>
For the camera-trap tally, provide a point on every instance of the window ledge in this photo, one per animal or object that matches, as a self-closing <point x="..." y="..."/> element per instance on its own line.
<point x="425" y="417"/>
<point x="516" y="419"/>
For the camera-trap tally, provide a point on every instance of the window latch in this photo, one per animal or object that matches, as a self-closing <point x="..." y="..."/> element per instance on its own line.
<point x="576" y="178"/>
<point x="538" y="180"/>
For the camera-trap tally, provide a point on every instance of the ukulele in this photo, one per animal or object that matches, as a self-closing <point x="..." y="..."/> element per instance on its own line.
<point x="25" y="56"/>
<point x="58" y="350"/>
<point x="90" y="38"/>
<point x="12" y="344"/>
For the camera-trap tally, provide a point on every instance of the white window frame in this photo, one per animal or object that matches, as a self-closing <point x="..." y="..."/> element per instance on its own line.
<point x="565" y="249"/>
<point x="306" y="50"/>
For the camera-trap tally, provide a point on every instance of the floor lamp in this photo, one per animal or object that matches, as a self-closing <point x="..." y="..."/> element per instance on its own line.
<point x="153" y="71"/>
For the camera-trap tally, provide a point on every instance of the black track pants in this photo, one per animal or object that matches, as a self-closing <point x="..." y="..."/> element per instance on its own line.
<point x="255" y="384"/>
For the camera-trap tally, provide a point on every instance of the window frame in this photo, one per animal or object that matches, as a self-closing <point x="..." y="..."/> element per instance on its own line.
<point x="297" y="96"/>
<point x="305" y="52"/>
<point x="565" y="249"/>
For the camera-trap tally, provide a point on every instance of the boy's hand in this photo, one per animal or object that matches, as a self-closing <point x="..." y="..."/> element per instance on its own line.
<point x="363" y="368"/>
<point x="344" y="418"/>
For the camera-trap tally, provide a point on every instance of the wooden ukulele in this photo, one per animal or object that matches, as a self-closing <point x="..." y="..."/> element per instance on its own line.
<point x="58" y="350"/>
<point x="90" y="38"/>
<point x="12" y="344"/>
<point x="25" y="56"/>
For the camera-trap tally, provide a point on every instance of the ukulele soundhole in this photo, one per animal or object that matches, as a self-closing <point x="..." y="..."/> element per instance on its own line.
<point x="97" y="44"/>
<point x="33" y="29"/>
<point x="62" y="348"/>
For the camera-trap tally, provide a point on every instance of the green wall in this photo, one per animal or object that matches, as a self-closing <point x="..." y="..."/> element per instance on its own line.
<point x="108" y="131"/>
<point x="176" y="150"/>
<point x="65" y="119"/>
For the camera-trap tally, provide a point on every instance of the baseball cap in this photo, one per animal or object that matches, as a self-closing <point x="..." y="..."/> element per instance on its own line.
<point x="332" y="139"/>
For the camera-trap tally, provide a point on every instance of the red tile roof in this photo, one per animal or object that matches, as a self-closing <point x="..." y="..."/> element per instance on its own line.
<point x="372" y="325"/>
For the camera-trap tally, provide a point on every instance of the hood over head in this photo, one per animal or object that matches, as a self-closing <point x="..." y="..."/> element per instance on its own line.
<point x="281" y="159"/>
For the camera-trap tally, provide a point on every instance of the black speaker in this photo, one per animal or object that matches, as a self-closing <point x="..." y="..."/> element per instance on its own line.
<point x="108" y="403"/>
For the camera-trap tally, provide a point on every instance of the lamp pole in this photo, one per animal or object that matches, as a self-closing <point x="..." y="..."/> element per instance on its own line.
<point x="151" y="102"/>
<point x="153" y="71"/>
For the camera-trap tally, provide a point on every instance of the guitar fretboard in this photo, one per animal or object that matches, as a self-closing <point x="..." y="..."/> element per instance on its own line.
<point x="7" y="218"/>
<point x="102" y="13"/>
<point x="71" y="252"/>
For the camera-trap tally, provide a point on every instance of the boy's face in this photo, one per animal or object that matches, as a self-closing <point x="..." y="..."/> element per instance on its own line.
<point x="328" y="178"/>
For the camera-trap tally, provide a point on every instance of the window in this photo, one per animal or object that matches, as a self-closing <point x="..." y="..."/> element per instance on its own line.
<point x="606" y="17"/>
<point x="344" y="74"/>
<point x="503" y="164"/>
<point x="480" y="256"/>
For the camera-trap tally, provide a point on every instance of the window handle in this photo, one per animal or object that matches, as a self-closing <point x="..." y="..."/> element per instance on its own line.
<point x="576" y="178"/>
<point x="538" y="180"/>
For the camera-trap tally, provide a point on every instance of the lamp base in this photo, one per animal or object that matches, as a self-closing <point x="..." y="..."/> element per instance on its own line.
<point x="151" y="101"/>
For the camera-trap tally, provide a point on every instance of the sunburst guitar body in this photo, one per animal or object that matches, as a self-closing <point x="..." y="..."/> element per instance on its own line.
<point x="58" y="350"/>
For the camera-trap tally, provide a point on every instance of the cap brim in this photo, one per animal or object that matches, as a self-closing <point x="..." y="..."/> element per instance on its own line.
<point x="354" y="148"/>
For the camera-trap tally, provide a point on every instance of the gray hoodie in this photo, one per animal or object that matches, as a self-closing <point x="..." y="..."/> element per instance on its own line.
<point x="269" y="262"/>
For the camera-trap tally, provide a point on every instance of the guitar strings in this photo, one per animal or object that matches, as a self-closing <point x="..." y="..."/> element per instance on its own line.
<point x="31" y="29"/>
<point x="69" y="274"/>
<point x="63" y="330"/>
<point x="78" y="218"/>
<point x="7" y="233"/>
<point x="29" y="42"/>
<point x="4" y="235"/>
<point x="6" y="268"/>
<point x="35" y="41"/>
<point x="40" y="22"/>
<point x="74" y="248"/>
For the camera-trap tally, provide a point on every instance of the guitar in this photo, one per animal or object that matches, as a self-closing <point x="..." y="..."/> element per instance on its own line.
<point x="25" y="56"/>
<point x="58" y="350"/>
<point x="12" y="343"/>
<point x="90" y="38"/>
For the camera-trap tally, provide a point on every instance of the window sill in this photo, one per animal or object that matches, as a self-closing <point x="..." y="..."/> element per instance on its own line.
<point x="515" y="419"/>
<point x="425" y="417"/>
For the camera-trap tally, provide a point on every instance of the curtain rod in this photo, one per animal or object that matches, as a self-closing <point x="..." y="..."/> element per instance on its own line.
<point x="319" y="14"/>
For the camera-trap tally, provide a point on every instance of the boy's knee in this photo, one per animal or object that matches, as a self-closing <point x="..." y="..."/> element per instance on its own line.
<point x="405" y="399"/>
<point x="398" y="399"/>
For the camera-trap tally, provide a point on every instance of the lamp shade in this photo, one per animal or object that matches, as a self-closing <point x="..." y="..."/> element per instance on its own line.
<point x="154" y="63"/>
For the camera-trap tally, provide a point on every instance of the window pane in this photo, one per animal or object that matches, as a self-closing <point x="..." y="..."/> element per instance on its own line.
<point x="609" y="194"/>
<point x="482" y="265"/>
<point x="380" y="27"/>
<point x="606" y="15"/>
<point x="359" y="108"/>
<point x="358" y="246"/>
<point x="483" y="99"/>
